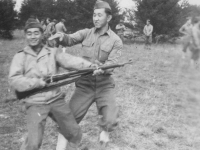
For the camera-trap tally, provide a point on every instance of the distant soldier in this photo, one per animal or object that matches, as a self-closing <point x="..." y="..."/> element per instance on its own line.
<point x="50" y="29"/>
<point x="60" y="27"/>
<point x="195" y="42"/>
<point x="43" y="24"/>
<point x="120" y="30"/>
<point x="148" y="30"/>
<point x="186" y="30"/>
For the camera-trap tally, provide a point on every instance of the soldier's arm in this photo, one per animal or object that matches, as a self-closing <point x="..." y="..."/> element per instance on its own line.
<point x="75" y="38"/>
<point x="183" y="29"/>
<point x="116" y="52"/>
<point x="64" y="28"/>
<point x="144" y="30"/>
<point x="114" y="55"/>
<point x="71" y="62"/>
<point x="16" y="78"/>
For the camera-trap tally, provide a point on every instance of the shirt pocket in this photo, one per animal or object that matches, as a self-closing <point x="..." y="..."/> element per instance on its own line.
<point x="87" y="49"/>
<point x="105" y="50"/>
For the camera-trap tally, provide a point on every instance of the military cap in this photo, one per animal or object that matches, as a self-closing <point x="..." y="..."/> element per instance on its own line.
<point x="32" y="23"/>
<point x="101" y="4"/>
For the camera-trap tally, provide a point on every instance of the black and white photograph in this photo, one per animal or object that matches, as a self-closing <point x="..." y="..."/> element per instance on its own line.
<point x="100" y="74"/>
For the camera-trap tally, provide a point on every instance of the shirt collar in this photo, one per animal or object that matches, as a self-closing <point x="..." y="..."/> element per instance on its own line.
<point x="108" y="31"/>
<point x="30" y="51"/>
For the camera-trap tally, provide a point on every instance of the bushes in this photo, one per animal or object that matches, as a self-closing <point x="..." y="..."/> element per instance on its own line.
<point x="7" y="18"/>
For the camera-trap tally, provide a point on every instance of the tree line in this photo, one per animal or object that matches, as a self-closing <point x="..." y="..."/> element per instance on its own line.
<point x="166" y="15"/>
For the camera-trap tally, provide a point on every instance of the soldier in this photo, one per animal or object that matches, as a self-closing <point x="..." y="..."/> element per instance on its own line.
<point x="120" y="29"/>
<point x="100" y="45"/>
<point x="186" y="30"/>
<point x="50" y="29"/>
<point x="60" y="27"/>
<point x="148" y="30"/>
<point x="28" y="68"/>
<point x="195" y="40"/>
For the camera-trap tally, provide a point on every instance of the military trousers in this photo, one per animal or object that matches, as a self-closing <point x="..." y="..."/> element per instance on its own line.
<point x="60" y="112"/>
<point x="98" y="89"/>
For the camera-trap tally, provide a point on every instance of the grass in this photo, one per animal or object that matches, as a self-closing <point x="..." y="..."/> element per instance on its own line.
<point x="158" y="96"/>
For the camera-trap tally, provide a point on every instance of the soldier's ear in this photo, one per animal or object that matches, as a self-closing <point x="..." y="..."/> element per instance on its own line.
<point x="109" y="18"/>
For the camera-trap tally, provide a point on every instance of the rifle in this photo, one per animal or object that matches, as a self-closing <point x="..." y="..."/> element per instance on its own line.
<point x="59" y="80"/>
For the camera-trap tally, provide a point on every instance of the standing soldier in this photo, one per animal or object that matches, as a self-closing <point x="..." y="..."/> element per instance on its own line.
<point x="60" y="27"/>
<point x="120" y="29"/>
<point x="148" y="30"/>
<point x="28" y="69"/>
<point x="195" y="42"/>
<point x="186" y="30"/>
<point x="50" y="29"/>
<point x="100" y="45"/>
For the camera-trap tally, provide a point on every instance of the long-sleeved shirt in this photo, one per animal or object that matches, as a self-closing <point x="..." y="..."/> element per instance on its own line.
<point x="27" y="69"/>
<point x="60" y="27"/>
<point x="105" y="48"/>
<point x="148" y="29"/>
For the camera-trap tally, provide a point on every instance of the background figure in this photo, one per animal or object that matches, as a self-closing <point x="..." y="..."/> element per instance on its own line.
<point x="50" y="29"/>
<point x="60" y="27"/>
<point x="148" y="29"/>
<point x="195" y="40"/>
<point x="43" y="24"/>
<point x="186" y="30"/>
<point x="120" y="30"/>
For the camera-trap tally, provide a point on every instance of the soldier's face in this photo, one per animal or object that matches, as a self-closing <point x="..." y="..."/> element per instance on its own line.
<point x="34" y="37"/>
<point x="100" y="18"/>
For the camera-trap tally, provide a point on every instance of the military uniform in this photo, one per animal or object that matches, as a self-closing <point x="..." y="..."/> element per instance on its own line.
<point x="26" y="71"/>
<point x="96" y="48"/>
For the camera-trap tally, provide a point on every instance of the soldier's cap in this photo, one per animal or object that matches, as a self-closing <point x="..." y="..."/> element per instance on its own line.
<point x="54" y="20"/>
<point x="101" y="4"/>
<point x="63" y="20"/>
<point x="32" y="23"/>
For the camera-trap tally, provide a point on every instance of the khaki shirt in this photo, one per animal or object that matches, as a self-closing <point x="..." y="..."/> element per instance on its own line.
<point x="148" y="29"/>
<point x="60" y="27"/>
<point x="27" y="69"/>
<point x="120" y="29"/>
<point x="104" y="48"/>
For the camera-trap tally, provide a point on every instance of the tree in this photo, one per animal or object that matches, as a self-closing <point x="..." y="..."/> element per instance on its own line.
<point x="164" y="15"/>
<point x="39" y="8"/>
<point x="77" y="13"/>
<point x="7" y="15"/>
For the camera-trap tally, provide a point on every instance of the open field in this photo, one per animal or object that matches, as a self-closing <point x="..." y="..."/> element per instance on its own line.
<point x="158" y="96"/>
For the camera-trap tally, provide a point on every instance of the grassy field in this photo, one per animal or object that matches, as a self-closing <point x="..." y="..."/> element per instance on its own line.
<point x="158" y="96"/>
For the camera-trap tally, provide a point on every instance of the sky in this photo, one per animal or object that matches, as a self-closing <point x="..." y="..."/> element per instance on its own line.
<point x="123" y="3"/>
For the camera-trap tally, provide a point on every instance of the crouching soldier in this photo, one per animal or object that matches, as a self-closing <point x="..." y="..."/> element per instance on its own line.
<point x="28" y="68"/>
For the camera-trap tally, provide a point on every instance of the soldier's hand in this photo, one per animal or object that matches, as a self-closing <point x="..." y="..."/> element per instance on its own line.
<point x="42" y="83"/>
<point x="58" y="35"/>
<point x="98" y="72"/>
